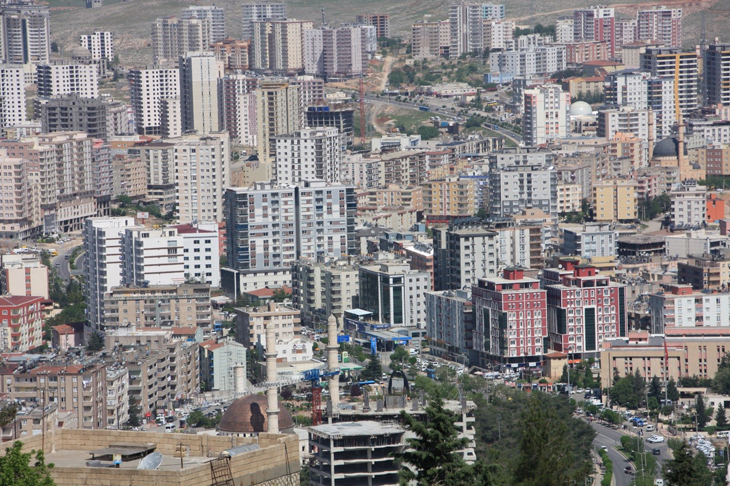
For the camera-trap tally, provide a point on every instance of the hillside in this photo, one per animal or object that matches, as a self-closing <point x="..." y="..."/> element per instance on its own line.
<point x="131" y="20"/>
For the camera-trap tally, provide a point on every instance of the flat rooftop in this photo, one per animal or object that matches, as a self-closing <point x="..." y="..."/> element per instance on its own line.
<point x="355" y="429"/>
<point x="71" y="458"/>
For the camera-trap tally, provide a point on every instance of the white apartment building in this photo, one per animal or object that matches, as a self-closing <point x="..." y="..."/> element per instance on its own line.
<point x="564" y="31"/>
<point x="394" y="293"/>
<point x="595" y="24"/>
<point x="643" y="91"/>
<point x="117" y="396"/>
<point x="171" y="121"/>
<point x="258" y="12"/>
<point x="590" y="240"/>
<point x="528" y="62"/>
<point x="25" y="33"/>
<point x="202" y="172"/>
<point x="103" y="248"/>
<point x="514" y="188"/>
<point x="173" y="37"/>
<point x="147" y="87"/>
<point x="201" y="252"/>
<point x="311" y="89"/>
<point x="682" y="66"/>
<point x="199" y="75"/>
<point x="62" y="78"/>
<point x="362" y="172"/>
<point x="335" y="52"/>
<point x="215" y="15"/>
<point x="626" y="120"/>
<point x="237" y="107"/>
<point x="151" y="257"/>
<point x="322" y="289"/>
<point x="308" y="154"/>
<point x="545" y="116"/>
<point x="100" y="45"/>
<point x="278" y="112"/>
<point x="689" y="204"/>
<point x="682" y="308"/>
<point x="466" y="29"/>
<point x="278" y="45"/>
<point x="12" y="95"/>
<point x="463" y="254"/>
<point x="23" y="275"/>
<point x="499" y="34"/>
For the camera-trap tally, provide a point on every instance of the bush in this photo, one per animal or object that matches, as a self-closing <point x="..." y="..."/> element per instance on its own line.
<point x="608" y="478"/>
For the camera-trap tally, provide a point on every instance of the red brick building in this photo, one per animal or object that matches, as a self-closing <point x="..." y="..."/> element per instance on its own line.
<point x="21" y="322"/>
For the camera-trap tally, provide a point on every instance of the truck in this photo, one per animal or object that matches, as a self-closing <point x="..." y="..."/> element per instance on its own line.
<point x="424" y="108"/>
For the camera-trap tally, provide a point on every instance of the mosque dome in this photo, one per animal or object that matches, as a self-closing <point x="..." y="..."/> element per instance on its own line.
<point x="247" y="415"/>
<point x="580" y="108"/>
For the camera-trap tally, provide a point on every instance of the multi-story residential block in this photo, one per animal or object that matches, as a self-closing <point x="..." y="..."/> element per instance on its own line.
<point x="642" y="91"/>
<point x="430" y="40"/>
<point x="278" y="111"/>
<point x="335" y="52"/>
<point x="173" y="37"/>
<point x="682" y="308"/>
<point x="21" y="322"/>
<point x="715" y="159"/>
<point x="20" y="202"/>
<point x="322" y="289"/>
<point x="703" y="272"/>
<point x="626" y="145"/>
<point x="151" y="256"/>
<point x="583" y="309"/>
<point x="615" y="201"/>
<point x="510" y="318"/>
<point x="147" y="88"/>
<point x="595" y="24"/>
<point x="199" y="75"/>
<point x="688" y="204"/>
<point x="591" y="240"/>
<point x="564" y="31"/>
<point x="25" y="34"/>
<point x="23" y="275"/>
<point x="76" y="388"/>
<point x="258" y="12"/>
<point x="449" y="197"/>
<point x="519" y="244"/>
<point x="129" y="176"/>
<point x="234" y="54"/>
<point x="381" y="22"/>
<point x="278" y="45"/>
<point x="625" y="34"/>
<point x="74" y="113"/>
<point x="661" y="25"/>
<point x="586" y="51"/>
<point x="214" y="14"/>
<point x="717" y="77"/>
<point x="545" y="116"/>
<point x="514" y="188"/>
<point x="465" y="21"/>
<point x="117" y="397"/>
<point x="404" y="168"/>
<point x="308" y="154"/>
<point x="99" y="44"/>
<point x="159" y="160"/>
<point x="464" y="253"/>
<point x="341" y="117"/>
<point x="569" y="197"/>
<point x="201" y="252"/>
<point x="394" y="293"/>
<point x="449" y="322"/>
<point x="533" y="61"/>
<point x="63" y="78"/>
<point x="360" y="171"/>
<point x="217" y="362"/>
<point x="311" y="89"/>
<point x="12" y="102"/>
<point x="251" y="323"/>
<point x="238" y="107"/>
<point x="682" y="66"/>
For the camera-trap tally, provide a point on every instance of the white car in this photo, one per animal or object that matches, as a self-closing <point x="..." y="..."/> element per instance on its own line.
<point x="659" y="482"/>
<point x="655" y="439"/>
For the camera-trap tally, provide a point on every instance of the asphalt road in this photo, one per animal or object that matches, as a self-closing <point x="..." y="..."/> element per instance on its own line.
<point x="611" y="438"/>
<point x="62" y="265"/>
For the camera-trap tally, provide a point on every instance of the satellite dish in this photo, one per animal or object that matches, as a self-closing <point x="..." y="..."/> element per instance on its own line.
<point x="151" y="462"/>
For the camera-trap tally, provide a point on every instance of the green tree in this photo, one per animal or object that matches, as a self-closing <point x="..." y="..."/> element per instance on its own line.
<point x="720" y="416"/>
<point x="396" y="77"/>
<point x="96" y="341"/>
<point x="672" y="391"/>
<point x="398" y="358"/>
<point x="701" y="410"/>
<point x="428" y="132"/>
<point x="655" y="387"/>
<point x="482" y="213"/>
<point x="433" y="452"/>
<point x="16" y="468"/>
<point x="304" y="476"/>
<point x="196" y="418"/>
<point x="686" y="469"/>
<point x="280" y="295"/>
<point x="135" y="412"/>
<point x="373" y="371"/>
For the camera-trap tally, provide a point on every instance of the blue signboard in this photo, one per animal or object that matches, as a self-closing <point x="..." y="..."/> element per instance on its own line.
<point x="373" y="345"/>
<point x="343" y="338"/>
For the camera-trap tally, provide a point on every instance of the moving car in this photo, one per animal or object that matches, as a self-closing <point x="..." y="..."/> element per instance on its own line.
<point x="655" y="439"/>
<point x="656" y="452"/>
<point x="628" y="470"/>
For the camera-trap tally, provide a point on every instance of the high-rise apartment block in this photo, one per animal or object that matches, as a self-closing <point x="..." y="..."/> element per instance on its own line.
<point x="278" y="45"/>
<point x="100" y="45"/>
<point x="515" y="188"/>
<point x="466" y="24"/>
<point x="717" y="77"/>
<point x="335" y="52"/>
<point x="615" y="201"/>
<point x="661" y="25"/>
<point x="453" y="196"/>
<point x="72" y="113"/>
<point x="147" y="88"/>
<point x="545" y="116"/>
<point x="430" y="40"/>
<point x="21" y="322"/>
<point x="683" y="67"/>
<point x="199" y="75"/>
<point x="12" y="101"/>
<point x="311" y="89"/>
<point x="151" y="256"/>
<point x="595" y="24"/>
<point x="23" y="275"/>
<point x="238" y="105"/>
<point x="528" y="62"/>
<point x="449" y="321"/>
<point x="62" y="78"/>
<point x="235" y="54"/>
<point x="215" y="15"/>
<point x="564" y="31"/>
<point x="173" y="37"/>
<point x="258" y="12"/>
<point x="278" y="112"/>
<point x="322" y="289"/>
<point x="463" y="253"/>
<point x="381" y="22"/>
<point x="308" y="154"/>
<point x="25" y="33"/>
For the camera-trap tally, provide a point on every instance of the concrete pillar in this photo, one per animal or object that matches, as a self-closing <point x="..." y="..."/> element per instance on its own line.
<point x="332" y="362"/>
<point x="272" y="395"/>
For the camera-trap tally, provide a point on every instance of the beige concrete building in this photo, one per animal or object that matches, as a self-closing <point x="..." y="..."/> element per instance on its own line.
<point x="569" y="197"/>
<point x="391" y="196"/>
<point x="199" y="76"/>
<point x="430" y="40"/>
<point x="117" y="396"/>
<point x="233" y="53"/>
<point x="449" y="197"/>
<point x="278" y="45"/>
<point x="173" y="37"/>
<point x="278" y="112"/>
<point x="704" y="272"/>
<point x="185" y="305"/>
<point x="251" y="323"/>
<point x="323" y="289"/>
<point x="129" y="176"/>
<point x="628" y="145"/>
<point x="23" y="275"/>
<point x="20" y="201"/>
<point x="615" y="200"/>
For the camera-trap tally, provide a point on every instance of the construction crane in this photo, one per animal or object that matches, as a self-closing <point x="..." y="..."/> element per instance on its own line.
<point x="362" y="109"/>
<point x="315" y="376"/>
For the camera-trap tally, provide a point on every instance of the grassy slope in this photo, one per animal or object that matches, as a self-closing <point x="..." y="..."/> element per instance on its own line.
<point x="130" y="20"/>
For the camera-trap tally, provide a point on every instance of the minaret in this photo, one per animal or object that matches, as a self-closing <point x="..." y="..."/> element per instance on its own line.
<point x="272" y="395"/>
<point x="332" y="361"/>
<point x="652" y="132"/>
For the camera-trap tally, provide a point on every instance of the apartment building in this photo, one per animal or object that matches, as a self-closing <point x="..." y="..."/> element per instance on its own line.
<point x="464" y="253"/>
<point x="258" y="12"/>
<point x="528" y="62"/>
<point x="63" y="78"/>
<point x="449" y="322"/>
<point x="545" y="116"/>
<point x="308" y="154"/>
<point x="184" y="305"/>
<point x="514" y="188"/>
<point x="199" y="75"/>
<point x="660" y="25"/>
<point x="682" y="67"/>
<point x="234" y="54"/>
<point x="12" y="101"/>
<point x="23" y="275"/>
<point x="151" y="256"/>
<point x="322" y="289"/>
<point x="335" y="52"/>
<point x="681" y="307"/>
<point x="704" y="272"/>
<point x="590" y="240"/>
<point x="381" y="22"/>
<point x="217" y="363"/>
<point x="404" y="168"/>
<point x="99" y="44"/>
<point x="252" y="322"/>
<point x="564" y="31"/>
<point x="278" y="111"/>
<point x="78" y="388"/>
<point x="499" y="34"/>
<point x="688" y="204"/>
<point x="238" y="107"/>
<point x="642" y="91"/>
<point x="394" y="293"/>
<point x="430" y="40"/>
<point x="25" y="34"/>
<point x="21" y="215"/>
<point x="215" y="15"/>
<point x="201" y="251"/>
<point x="716" y="77"/>
<point x="586" y="51"/>
<point x="147" y="88"/>
<point x="453" y="196"/>
<point x="117" y="396"/>
<point x="129" y="176"/>
<point x="340" y="116"/>
<point x="21" y="320"/>
<point x="569" y="197"/>
<point x="615" y="201"/>
<point x="467" y="23"/>
<point x="311" y="89"/>
<point x="278" y="45"/>
<point x="583" y="310"/>
<point x="595" y="24"/>
<point x="510" y="318"/>
<point x="173" y="37"/>
<point x="74" y="113"/>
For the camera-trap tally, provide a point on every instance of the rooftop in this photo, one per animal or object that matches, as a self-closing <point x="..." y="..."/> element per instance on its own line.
<point x="354" y="429"/>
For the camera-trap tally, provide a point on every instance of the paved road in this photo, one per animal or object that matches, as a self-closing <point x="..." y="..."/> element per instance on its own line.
<point x="611" y="438"/>
<point x="61" y="264"/>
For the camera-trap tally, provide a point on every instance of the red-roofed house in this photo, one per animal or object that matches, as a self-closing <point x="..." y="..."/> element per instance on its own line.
<point x="21" y="322"/>
<point x="187" y="334"/>
<point x="265" y="294"/>
<point x="65" y="336"/>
